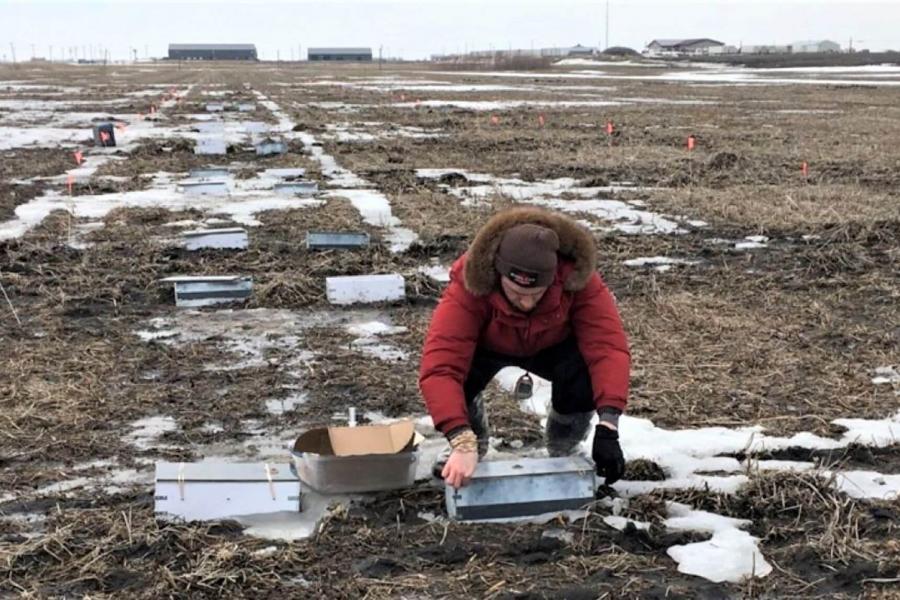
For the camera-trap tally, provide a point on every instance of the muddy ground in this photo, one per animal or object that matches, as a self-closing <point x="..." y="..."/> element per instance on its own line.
<point x="784" y="336"/>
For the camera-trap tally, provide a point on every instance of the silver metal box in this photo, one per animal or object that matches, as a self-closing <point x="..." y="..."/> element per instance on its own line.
<point x="209" y="173"/>
<point x="233" y="238"/>
<point x="269" y="147"/>
<point x="325" y="240"/>
<point x="203" y="188"/>
<point x="296" y="188"/>
<point x="524" y="487"/>
<point x="196" y="291"/>
<point x="203" y="491"/>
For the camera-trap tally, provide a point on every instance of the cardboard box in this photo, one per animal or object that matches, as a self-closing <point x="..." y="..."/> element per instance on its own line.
<point x="338" y="460"/>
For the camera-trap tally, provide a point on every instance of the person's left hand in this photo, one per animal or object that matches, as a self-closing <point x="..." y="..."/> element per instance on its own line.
<point x="607" y="454"/>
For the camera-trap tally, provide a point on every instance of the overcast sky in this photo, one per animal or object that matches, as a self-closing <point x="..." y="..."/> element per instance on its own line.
<point x="417" y="29"/>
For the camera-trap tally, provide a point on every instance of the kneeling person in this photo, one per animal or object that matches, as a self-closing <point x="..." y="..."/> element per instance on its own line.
<point x="527" y="294"/>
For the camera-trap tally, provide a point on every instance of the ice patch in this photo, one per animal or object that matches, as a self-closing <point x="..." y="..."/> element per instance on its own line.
<point x="683" y="518"/>
<point x="868" y="484"/>
<point x="660" y="263"/>
<point x="556" y="194"/>
<point x="886" y="375"/>
<point x="370" y="343"/>
<point x="43" y="137"/>
<point x="621" y="523"/>
<point x="280" y="406"/>
<point x="146" y="431"/>
<point x="500" y="105"/>
<point x="436" y="272"/>
<point x="250" y="334"/>
<point x="241" y="207"/>
<point x="731" y="555"/>
<point x="752" y="242"/>
<point x="292" y="526"/>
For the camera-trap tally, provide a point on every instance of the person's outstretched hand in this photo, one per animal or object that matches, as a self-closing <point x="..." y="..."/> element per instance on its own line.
<point x="607" y="454"/>
<point x="459" y="468"/>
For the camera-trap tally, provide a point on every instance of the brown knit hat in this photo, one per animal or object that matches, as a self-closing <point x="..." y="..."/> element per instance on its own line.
<point x="527" y="255"/>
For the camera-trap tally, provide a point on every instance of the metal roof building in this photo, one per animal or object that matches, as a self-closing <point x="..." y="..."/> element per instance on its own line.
<point x="359" y="54"/>
<point x="684" y="46"/>
<point x="212" y="52"/>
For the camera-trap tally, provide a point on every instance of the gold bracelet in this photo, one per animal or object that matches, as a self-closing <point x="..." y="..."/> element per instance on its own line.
<point x="465" y="442"/>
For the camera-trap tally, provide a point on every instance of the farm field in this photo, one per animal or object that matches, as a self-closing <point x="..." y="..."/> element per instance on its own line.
<point x="758" y="278"/>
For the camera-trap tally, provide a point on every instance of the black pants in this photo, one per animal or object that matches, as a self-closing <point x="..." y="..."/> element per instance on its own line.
<point x="561" y="364"/>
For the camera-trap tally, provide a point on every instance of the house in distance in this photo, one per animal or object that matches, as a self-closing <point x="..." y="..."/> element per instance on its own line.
<point x="686" y="47"/>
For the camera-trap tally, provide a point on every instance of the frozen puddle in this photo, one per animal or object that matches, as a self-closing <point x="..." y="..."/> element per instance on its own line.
<point x="752" y="242"/>
<point x="439" y="273"/>
<point x="369" y="341"/>
<point x="250" y="335"/>
<point x="146" y="431"/>
<point x="564" y="195"/>
<point x="886" y="376"/>
<point x="659" y="263"/>
<point x="371" y="131"/>
<point x="241" y="207"/>
<point x="291" y="526"/>
<point x="374" y="206"/>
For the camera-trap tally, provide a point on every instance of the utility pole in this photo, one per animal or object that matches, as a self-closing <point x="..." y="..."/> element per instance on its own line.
<point x="12" y="49"/>
<point x="607" y="24"/>
<point x="51" y="52"/>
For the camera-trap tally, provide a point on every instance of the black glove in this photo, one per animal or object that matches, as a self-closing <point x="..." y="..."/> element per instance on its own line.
<point x="607" y="454"/>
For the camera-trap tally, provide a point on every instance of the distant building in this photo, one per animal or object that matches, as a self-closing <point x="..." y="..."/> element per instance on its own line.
<point x="357" y="54"/>
<point x="621" y="51"/>
<point x="815" y="46"/>
<point x="765" y="49"/>
<point x="212" y="52"/>
<point x="684" y="47"/>
<point x="579" y="50"/>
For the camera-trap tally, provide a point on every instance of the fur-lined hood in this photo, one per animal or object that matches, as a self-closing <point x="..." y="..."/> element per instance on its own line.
<point x="575" y="244"/>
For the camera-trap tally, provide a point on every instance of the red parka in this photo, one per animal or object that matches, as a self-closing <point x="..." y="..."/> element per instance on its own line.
<point x="473" y="312"/>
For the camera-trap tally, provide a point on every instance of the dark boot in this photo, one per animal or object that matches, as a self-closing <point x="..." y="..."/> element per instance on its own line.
<point x="564" y="432"/>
